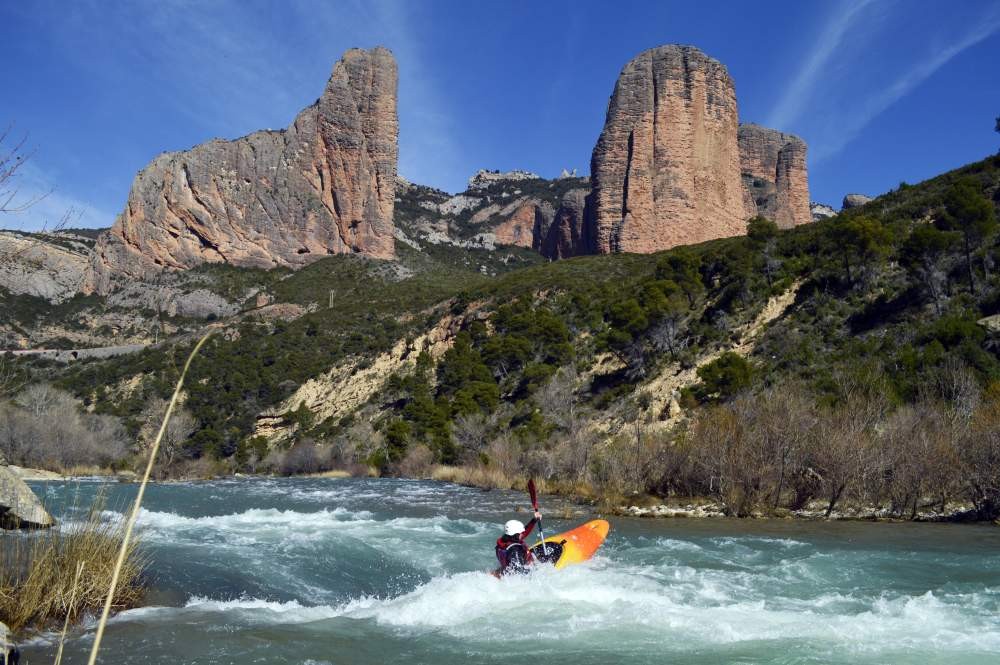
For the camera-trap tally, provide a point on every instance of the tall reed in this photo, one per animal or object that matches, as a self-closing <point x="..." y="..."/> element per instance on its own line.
<point x="120" y="570"/>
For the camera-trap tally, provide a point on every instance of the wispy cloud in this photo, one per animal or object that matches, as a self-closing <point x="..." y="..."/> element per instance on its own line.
<point x="875" y="104"/>
<point x="428" y="150"/>
<point x="798" y="93"/>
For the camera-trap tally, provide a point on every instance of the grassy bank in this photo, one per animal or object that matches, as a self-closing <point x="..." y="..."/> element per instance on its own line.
<point x="641" y="504"/>
<point x="49" y="576"/>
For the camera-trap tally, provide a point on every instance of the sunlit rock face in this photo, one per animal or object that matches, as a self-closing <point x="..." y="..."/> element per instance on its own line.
<point x="666" y="168"/>
<point x="325" y="185"/>
<point x="775" y="177"/>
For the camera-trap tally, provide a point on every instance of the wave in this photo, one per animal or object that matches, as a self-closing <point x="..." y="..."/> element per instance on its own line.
<point x="604" y="601"/>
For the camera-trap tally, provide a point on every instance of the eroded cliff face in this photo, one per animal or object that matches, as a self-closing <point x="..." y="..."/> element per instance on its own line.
<point x="49" y="266"/>
<point x="323" y="186"/>
<point x="773" y="166"/>
<point x="565" y="235"/>
<point x="666" y="168"/>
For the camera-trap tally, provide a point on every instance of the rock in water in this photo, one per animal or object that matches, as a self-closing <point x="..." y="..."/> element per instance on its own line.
<point x="9" y="655"/>
<point x="854" y="201"/>
<point x="323" y="186"/>
<point x="666" y="168"/>
<point x="773" y="166"/>
<point x="19" y="507"/>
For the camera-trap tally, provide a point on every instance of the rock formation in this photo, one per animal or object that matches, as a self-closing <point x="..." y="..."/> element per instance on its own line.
<point x="564" y="237"/>
<point x="525" y="226"/>
<point x="673" y="166"/>
<point x="854" y="201"/>
<point x="47" y="266"/>
<point x="775" y="179"/>
<point x="484" y="179"/>
<point x="821" y="211"/>
<point x="666" y="168"/>
<point x="19" y="507"/>
<point x="323" y="186"/>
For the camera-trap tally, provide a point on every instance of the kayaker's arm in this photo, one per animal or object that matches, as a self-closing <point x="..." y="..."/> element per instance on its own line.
<point x="529" y="526"/>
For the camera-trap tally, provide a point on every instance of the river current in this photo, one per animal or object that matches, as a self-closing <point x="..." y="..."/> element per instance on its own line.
<point x="352" y="571"/>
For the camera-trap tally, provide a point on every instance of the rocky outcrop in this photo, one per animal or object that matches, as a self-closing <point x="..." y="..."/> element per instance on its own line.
<point x="326" y="185"/>
<point x="821" y="211"/>
<point x="19" y="507"/>
<point x="484" y="179"/>
<point x="565" y="235"/>
<point x="666" y="168"/>
<point x="526" y="225"/>
<point x="46" y="266"/>
<point x="773" y="168"/>
<point x="854" y="201"/>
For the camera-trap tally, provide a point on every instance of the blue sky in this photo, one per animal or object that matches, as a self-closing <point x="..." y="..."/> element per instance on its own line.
<point x="881" y="90"/>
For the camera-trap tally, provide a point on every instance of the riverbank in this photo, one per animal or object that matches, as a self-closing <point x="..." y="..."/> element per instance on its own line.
<point x="650" y="506"/>
<point x="814" y="511"/>
<point x="584" y="493"/>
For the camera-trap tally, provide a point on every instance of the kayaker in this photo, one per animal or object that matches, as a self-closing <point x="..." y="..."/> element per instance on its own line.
<point x="512" y="553"/>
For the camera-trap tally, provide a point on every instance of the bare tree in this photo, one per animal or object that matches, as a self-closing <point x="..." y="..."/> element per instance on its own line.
<point x="668" y="334"/>
<point x="359" y="443"/>
<point x="505" y="454"/>
<point x="842" y="455"/>
<point x="41" y="399"/>
<point x="560" y="404"/>
<point x="45" y="428"/>
<point x="9" y="379"/>
<point x="13" y="156"/>
<point x="471" y="432"/>
<point x="179" y="429"/>
<point x="979" y="453"/>
<point x="918" y="435"/>
<point x="956" y="385"/>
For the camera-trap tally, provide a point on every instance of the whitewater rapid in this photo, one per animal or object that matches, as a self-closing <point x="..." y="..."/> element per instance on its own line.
<point x="372" y="571"/>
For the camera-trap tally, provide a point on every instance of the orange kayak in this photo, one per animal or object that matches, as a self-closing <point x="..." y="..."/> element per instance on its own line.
<point x="573" y="546"/>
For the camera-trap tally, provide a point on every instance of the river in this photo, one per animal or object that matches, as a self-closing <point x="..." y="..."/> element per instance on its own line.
<point x="351" y="571"/>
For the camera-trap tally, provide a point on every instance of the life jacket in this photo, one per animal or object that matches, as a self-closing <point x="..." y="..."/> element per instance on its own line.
<point x="513" y="555"/>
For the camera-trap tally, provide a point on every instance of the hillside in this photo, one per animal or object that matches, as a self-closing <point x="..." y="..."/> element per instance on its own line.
<point x="598" y="368"/>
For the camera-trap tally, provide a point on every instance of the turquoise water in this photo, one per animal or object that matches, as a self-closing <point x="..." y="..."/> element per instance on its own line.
<point x="389" y="571"/>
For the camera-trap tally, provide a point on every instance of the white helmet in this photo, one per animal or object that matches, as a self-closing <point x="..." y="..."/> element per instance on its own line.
<point x="513" y="527"/>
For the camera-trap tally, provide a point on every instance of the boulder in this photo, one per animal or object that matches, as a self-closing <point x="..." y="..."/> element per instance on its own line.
<point x="854" y="201"/>
<point x="19" y="507"/>
<point x="9" y="655"/>
<point x="27" y="474"/>
<point x="325" y="185"/>
<point x="991" y="323"/>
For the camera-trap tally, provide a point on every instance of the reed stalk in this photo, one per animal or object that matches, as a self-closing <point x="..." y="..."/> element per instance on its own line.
<point x="134" y="514"/>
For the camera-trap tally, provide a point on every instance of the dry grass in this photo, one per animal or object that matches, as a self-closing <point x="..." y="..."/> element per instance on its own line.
<point x="488" y="477"/>
<point x="38" y="571"/>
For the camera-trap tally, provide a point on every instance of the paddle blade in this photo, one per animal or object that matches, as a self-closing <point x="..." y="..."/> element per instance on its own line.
<point x="533" y="493"/>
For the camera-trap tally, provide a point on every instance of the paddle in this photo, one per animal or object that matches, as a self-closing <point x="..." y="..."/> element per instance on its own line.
<point x="534" y="504"/>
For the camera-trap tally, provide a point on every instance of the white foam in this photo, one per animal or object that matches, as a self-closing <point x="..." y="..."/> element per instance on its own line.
<point x="245" y="610"/>
<point x="603" y="601"/>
